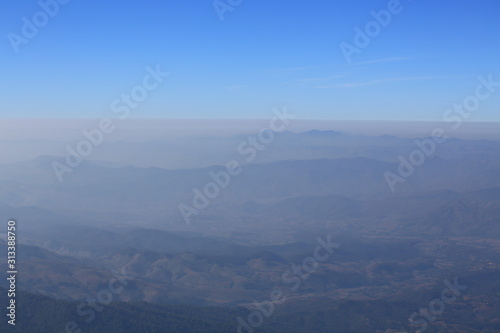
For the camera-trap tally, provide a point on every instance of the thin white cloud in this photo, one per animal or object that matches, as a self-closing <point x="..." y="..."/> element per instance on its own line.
<point x="288" y="70"/>
<point x="373" y="82"/>
<point x="374" y="61"/>
<point x="317" y="79"/>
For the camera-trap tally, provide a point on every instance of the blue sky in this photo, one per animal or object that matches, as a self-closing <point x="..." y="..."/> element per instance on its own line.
<point x="263" y="55"/>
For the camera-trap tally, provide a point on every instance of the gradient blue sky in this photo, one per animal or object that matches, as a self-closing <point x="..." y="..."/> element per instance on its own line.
<point x="265" y="54"/>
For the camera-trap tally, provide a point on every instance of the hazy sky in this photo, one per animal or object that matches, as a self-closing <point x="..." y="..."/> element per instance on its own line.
<point x="263" y="55"/>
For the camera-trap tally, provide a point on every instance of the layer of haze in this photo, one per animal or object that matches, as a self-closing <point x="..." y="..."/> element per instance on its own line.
<point x="175" y="143"/>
